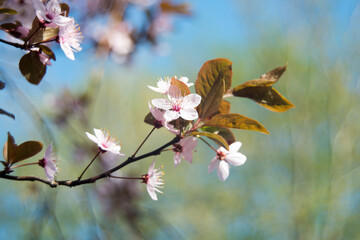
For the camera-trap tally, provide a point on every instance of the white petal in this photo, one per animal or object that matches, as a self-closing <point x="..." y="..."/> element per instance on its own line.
<point x="156" y="89"/>
<point x="188" y="143"/>
<point x="223" y="170"/>
<point x="174" y="92"/>
<point x="151" y="168"/>
<point x="234" y="147"/>
<point x="171" y="115"/>
<point x="213" y="164"/>
<point x="61" y="20"/>
<point x="188" y="156"/>
<point x="177" y="159"/>
<point x="92" y="138"/>
<point x="163" y="85"/>
<point x="161" y="103"/>
<point x="114" y="149"/>
<point x="53" y="6"/>
<point x="67" y="50"/>
<point x="151" y="191"/>
<point x="39" y="5"/>
<point x="235" y="159"/>
<point x="99" y="135"/>
<point x="191" y="100"/>
<point x="189" y="114"/>
<point x="171" y="128"/>
<point x="184" y="79"/>
<point x="48" y="152"/>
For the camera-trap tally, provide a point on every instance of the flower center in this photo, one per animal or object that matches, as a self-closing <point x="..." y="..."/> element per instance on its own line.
<point x="145" y="178"/>
<point x="176" y="107"/>
<point x="177" y="148"/>
<point x="220" y="155"/>
<point x="157" y="124"/>
<point x="42" y="163"/>
<point x="50" y="16"/>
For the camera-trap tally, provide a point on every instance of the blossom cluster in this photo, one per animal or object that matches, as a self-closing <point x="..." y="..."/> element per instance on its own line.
<point x="69" y="36"/>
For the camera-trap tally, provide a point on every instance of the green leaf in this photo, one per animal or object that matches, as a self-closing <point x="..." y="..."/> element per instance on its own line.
<point x="216" y="138"/>
<point x="32" y="68"/>
<point x="47" y="51"/>
<point x="223" y="132"/>
<point x="9" y="149"/>
<point x="235" y="120"/>
<point x="209" y="76"/>
<point x="27" y="150"/>
<point x="3" y="112"/>
<point x="8" y="11"/>
<point x="181" y="85"/>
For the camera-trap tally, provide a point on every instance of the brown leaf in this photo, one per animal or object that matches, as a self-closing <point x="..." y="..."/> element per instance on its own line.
<point x="262" y="92"/>
<point x="27" y="150"/>
<point x="210" y="104"/>
<point x="224" y="132"/>
<point x="9" y="149"/>
<point x="214" y="78"/>
<point x="215" y="137"/>
<point x="267" y="97"/>
<point x="235" y="120"/>
<point x="169" y="7"/>
<point x="32" y="68"/>
<point x="181" y="85"/>
<point x="3" y="112"/>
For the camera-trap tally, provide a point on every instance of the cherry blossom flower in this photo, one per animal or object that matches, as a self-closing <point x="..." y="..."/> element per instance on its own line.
<point x="178" y="105"/>
<point x="153" y="181"/>
<point x="50" y="14"/>
<point x="48" y="163"/>
<point x="163" y="86"/>
<point x="69" y="38"/>
<point x="225" y="158"/>
<point x="184" y="149"/>
<point x="105" y="142"/>
<point x="160" y="120"/>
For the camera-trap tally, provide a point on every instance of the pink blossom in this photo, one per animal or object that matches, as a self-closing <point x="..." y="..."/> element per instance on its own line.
<point x="160" y="120"/>
<point x="48" y="163"/>
<point x="225" y="158"/>
<point x="184" y="149"/>
<point x="163" y="86"/>
<point x="50" y="14"/>
<point x="153" y="181"/>
<point x="69" y="38"/>
<point x="178" y="105"/>
<point x="105" y="142"/>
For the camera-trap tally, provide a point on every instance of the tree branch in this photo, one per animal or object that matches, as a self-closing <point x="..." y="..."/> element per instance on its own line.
<point x="74" y="183"/>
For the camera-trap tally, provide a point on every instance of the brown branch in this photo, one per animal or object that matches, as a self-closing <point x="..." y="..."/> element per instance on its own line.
<point x="74" y="183"/>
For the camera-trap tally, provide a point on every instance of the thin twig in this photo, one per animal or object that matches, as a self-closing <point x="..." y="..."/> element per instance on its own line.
<point x="152" y="130"/>
<point x="73" y="183"/>
<point x="97" y="154"/>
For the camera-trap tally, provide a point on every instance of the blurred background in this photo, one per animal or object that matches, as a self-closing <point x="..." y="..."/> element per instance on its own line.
<point x="300" y="182"/>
